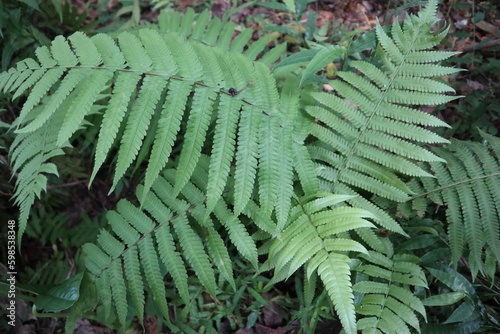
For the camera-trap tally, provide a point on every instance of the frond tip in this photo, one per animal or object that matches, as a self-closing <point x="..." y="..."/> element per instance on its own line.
<point x="369" y="132"/>
<point x="312" y="238"/>
<point x="387" y="304"/>
<point x="370" y="122"/>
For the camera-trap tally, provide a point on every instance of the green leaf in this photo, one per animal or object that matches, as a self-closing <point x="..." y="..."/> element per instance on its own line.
<point x="299" y="57"/>
<point x="364" y="42"/>
<point x="55" y="298"/>
<point x="320" y="60"/>
<point x="137" y="126"/>
<point x="290" y="4"/>
<point x="335" y="274"/>
<point x="222" y="149"/>
<point x="467" y="311"/>
<point x="454" y="281"/>
<point x="32" y="3"/>
<point x="444" y="299"/>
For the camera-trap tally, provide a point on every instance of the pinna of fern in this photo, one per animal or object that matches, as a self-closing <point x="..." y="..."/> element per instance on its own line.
<point x="468" y="186"/>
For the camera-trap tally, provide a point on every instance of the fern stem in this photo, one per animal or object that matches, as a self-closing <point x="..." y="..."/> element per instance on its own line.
<point x="452" y="185"/>
<point x="199" y="83"/>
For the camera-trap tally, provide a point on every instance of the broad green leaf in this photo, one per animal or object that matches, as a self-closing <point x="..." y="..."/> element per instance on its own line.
<point x="444" y="299"/>
<point x="58" y="297"/>
<point x="299" y="57"/>
<point x="290" y="4"/>
<point x="320" y="60"/>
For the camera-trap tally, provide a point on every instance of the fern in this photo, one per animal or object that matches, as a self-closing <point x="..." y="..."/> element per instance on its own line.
<point x="80" y="72"/>
<point x="141" y="241"/>
<point x="367" y="139"/>
<point x="366" y="136"/>
<point x="313" y="237"/>
<point x="30" y="153"/>
<point x="468" y="186"/>
<point x="236" y="154"/>
<point x="215" y="32"/>
<point x="386" y="302"/>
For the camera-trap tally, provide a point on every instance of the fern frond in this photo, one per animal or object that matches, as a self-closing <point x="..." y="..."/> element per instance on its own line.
<point x="72" y="75"/>
<point x="219" y="253"/>
<point x="197" y="127"/>
<point x="136" y="244"/>
<point x="371" y="133"/>
<point x="468" y="186"/>
<point x="123" y="90"/>
<point x="312" y="237"/>
<point x="247" y="151"/>
<point x="335" y="274"/>
<point x="302" y="163"/>
<point x="31" y="153"/>
<point x="152" y="232"/>
<point x="388" y="304"/>
<point x="246" y="156"/>
<point x="169" y="125"/>
<point x="269" y="164"/>
<point x="172" y="260"/>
